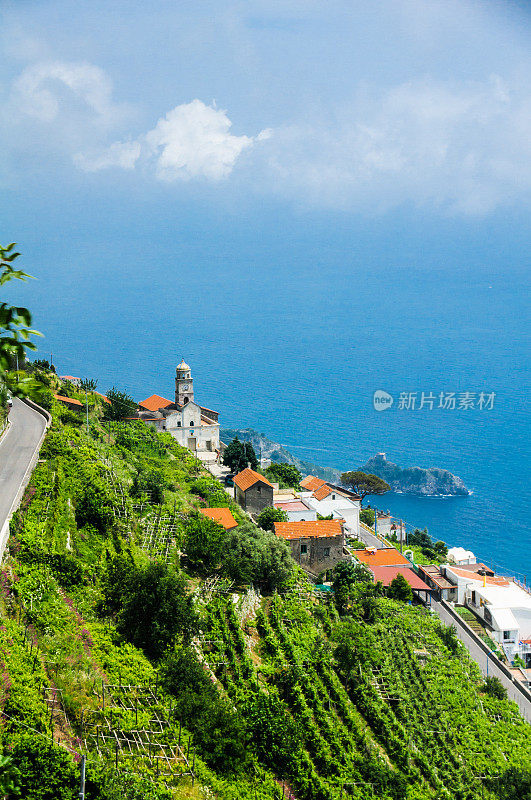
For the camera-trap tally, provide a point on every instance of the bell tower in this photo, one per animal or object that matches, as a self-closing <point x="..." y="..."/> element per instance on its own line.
<point x="184" y="384"/>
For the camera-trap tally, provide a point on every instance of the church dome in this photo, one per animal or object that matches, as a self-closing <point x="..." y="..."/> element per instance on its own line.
<point x="183" y="365"/>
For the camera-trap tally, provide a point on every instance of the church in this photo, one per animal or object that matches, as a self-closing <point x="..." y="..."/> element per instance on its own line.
<point x="192" y="425"/>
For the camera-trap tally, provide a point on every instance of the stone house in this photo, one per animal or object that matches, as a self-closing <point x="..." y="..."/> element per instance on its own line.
<point x="253" y="492"/>
<point x="317" y="545"/>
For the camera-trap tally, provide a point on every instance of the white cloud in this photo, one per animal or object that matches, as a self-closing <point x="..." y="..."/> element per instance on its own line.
<point x="193" y="140"/>
<point x="464" y="147"/>
<point x="120" y="154"/>
<point x="39" y="90"/>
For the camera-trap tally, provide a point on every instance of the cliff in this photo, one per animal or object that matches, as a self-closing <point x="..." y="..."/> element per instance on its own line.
<point x="431" y="482"/>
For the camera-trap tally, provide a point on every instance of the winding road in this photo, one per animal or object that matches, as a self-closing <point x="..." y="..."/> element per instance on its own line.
<point x="17" y="450"/>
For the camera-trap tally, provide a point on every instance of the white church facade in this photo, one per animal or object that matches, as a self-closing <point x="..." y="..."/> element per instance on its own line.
<point x="191" y="425"/>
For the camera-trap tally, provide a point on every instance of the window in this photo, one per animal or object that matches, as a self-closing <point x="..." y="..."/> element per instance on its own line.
<point x="259" y="489"/>
<point x="506" y="635"/>
<point x="191" y="423"/>
<point x="326" y="552"/>
<point x="178" y="424"/>
<point x="304" y="549"/>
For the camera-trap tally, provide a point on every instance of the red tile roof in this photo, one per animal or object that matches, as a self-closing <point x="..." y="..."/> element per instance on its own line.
<point x="155" y="402"/>
<point x="386" y="557"/>
<point x="70" y="400"/>
<point x="312" y="483"/>
<point x="309" y="529"/>
<point x="322" y="492"/>
<point x="248" y="477"/>
<point x="387" y="574"/>
<point x="223" y="516"/>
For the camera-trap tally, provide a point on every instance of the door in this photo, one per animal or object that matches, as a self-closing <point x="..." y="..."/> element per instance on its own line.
<point x="192" y="443"/>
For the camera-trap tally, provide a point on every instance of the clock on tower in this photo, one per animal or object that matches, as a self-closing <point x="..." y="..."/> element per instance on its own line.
<point x="184" y="384"/>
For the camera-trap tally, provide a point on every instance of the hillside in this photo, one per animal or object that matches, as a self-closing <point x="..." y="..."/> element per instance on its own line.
<point x="187" y="662"/>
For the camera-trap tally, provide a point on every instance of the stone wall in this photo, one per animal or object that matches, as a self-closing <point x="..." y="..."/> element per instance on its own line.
<point x="322" y="552"/>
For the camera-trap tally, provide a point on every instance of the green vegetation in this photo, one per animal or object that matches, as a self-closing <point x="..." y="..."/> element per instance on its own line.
<point x="122" y="611"/>
<point x="286" y="475"/>
<point x="399" y="589"/>
<point x="267" y="518"/>
<point x="364" y="484"/>
<point x="367" y="516"/>
<point x="15" y="332"/>
<point x="239" y="455"/>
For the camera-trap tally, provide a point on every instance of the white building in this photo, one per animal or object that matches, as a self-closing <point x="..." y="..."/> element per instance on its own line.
<point x="325" y="500"/>
<point x="500" y="602"/>
<point x="192" y="425"/>
<point x="460" y="556"/>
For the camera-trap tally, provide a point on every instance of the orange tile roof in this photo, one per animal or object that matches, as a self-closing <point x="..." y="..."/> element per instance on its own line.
<point x="322" y="492"/>
<point x="223" y="516"/>
<point x="247" y="478"/>
<point x="386" y="557"/>
<point x="495" y="580"/>
<point x="312" y="483"/>
<point x="64" y="399"/>
<point x="309" y="529"/>
<point x="155" y="402"/>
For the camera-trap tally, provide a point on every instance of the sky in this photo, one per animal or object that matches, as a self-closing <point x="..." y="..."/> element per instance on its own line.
<point x="158" y="159"/>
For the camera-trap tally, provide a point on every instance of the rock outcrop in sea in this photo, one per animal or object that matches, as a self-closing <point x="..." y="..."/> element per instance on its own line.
<point x="431" y="482"/>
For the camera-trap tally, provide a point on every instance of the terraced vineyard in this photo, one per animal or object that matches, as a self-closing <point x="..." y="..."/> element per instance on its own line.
<point x="132" y="635"/>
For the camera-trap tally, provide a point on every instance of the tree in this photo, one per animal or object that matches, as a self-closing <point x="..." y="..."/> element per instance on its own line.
<point x="157" y="610"/>
<point x="204" y="542"/>
<point x="252" y="555"/>
<point x="267" y="518"/>
<point x="15" y="330"/>
<point x="88" y="384"/>
<point x="367" y="516"/>
<point x="120" y="405"/>
<point x="286" y="474"/>
<point x="346" y="576"/>
<point x="364" y="484"/>
<point x="399" y="589"/>
<point x="238" y="455"/>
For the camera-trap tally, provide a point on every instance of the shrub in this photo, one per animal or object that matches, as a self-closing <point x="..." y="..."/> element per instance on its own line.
<point x="267" y="518"/>
<point x="399" y="589"/>
<point x="367" y="516"/>
<point x="218" y="729"/>
<point x="494" y="688"/>
<point x="46" y="772"/>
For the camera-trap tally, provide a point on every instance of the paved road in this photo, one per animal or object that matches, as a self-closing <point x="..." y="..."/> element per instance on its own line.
<point x="16" y="450"/>
<point x="481" y="658"/>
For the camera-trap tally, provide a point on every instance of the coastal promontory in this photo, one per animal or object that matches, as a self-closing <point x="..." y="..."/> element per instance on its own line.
<point x="432" y="482"/>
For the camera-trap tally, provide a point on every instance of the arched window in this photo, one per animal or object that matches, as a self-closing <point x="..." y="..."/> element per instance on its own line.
<point x="191" y="423"/>
<point x="185" y="400"/>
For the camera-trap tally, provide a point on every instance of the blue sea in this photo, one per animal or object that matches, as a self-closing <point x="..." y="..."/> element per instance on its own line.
<point x="292" y="333"/>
